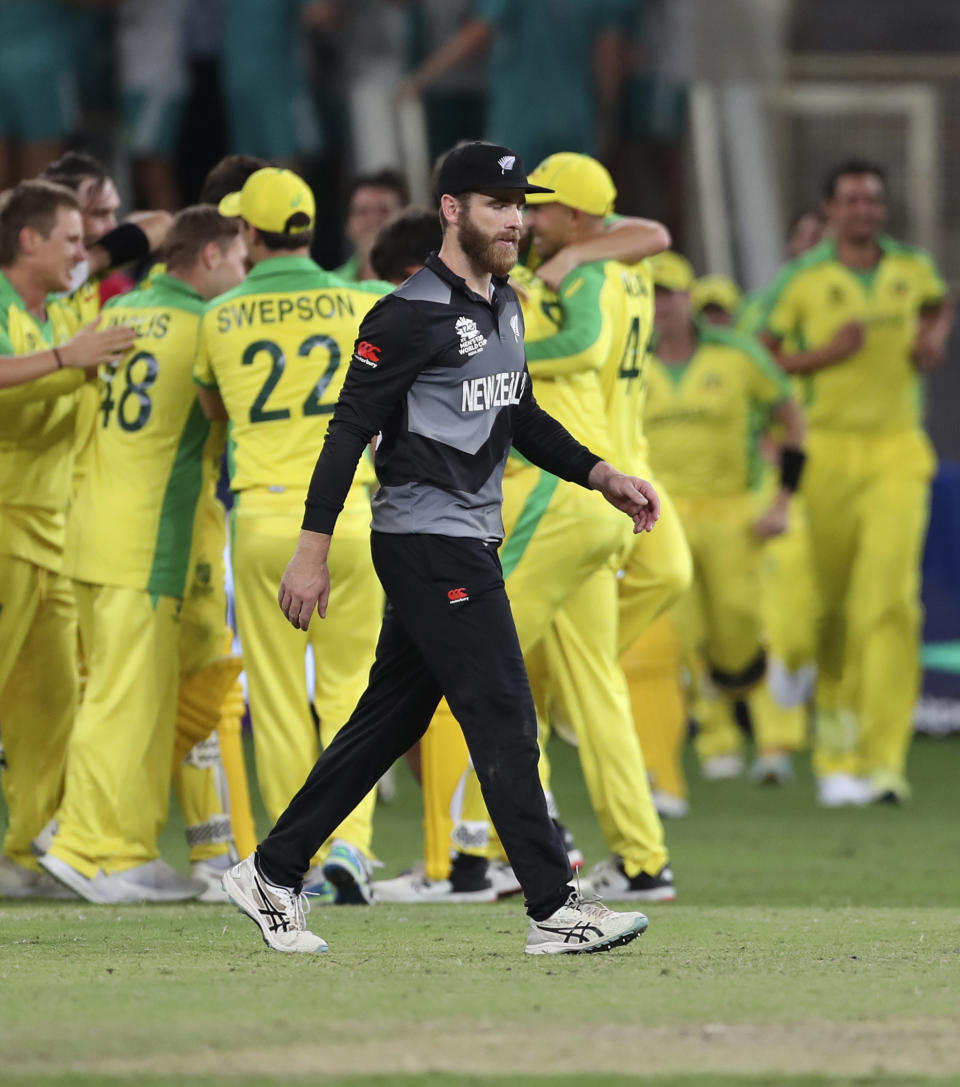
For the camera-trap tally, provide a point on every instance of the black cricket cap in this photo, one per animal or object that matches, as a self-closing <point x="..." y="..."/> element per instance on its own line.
<point x="480" y="166"/>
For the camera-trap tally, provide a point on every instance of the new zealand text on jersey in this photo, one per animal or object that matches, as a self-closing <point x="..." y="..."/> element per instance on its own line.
<point x="270" y="311"/>
<point x="493" y="391"/>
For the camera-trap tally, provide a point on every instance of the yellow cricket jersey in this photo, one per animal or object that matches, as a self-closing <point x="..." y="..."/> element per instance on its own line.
<point x="277" y="347"/>
<point x="704" y="417"/>
<point x="86" y="305"/>
<point x="878" y="388"/>
<point x="607" y="312"/>
<point x="131" y="523"/>
<point x="36" y="435"/>
<point x="570" y="394"/>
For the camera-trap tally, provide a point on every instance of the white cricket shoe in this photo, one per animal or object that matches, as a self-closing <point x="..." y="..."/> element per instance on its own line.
<point x="582" y="925"/>
<point x="210" y="874"/>
<point x="670" y="806"/>
<point x="18" y="881"/>
<point x="843" y="791"/>
<point x="102" y="889"/>
<point x="722" y="767"/>
<point x="505" y="882"/>
<point x="609" y="880"/>
<point x="279" y="912"/>
<point x="156" y="881"/>
<point x="415" y="887"/>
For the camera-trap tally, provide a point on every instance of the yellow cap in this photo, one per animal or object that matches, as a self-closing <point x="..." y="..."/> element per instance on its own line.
<point x="716" y="290"/>
<point x="671" y="271"/>
<point x="578" y="181"/>
<point x="278" y="201"/>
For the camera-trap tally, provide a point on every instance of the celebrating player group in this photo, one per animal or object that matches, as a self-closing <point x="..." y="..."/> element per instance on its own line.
<point x="411" y="463"/>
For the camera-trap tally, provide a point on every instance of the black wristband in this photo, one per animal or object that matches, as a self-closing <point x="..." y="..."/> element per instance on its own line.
<point x="124" y="244"/>
<point x="791" y="467"/>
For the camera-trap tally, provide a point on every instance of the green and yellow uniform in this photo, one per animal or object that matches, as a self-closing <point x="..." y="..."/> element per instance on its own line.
<point x="276" y="348"/>
<point x="38" y="680"/>
<point x="865" y="443"/>
<point x="128" y="550"/>
<point x="704" y="418"/>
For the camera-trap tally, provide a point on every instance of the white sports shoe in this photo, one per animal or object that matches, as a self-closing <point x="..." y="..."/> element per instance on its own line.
<point x="608" y="880"/>
<point x="415" y="887"/>
<point x="722" y="767"/>
<point x="102" y="889"/>
<point x="279" y="912"/>
<point x="670" y="806"/>
<point x="156" y="881"/>
<point x="349" y="871"/>
<point x="210" y="874"/>
<point x="843" y="791"/>
<point x="504" y="881"/>
<point x="582" y="925"/>
<point x="18" y="881"/>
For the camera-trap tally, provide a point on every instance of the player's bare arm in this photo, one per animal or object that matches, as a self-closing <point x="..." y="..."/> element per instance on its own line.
<point x="629" y="240"/>
<point x="934" y="326"/>
<point x="211" y="402"/>
<point x="90" y="347"/>
<point x="847" y="341"/>
<point x="775" y="520"/>
<point x="634" y="496"/>
<point x="305" y="584"/>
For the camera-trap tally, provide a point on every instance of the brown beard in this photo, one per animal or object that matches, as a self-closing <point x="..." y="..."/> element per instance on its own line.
<point x="485" y="251"/>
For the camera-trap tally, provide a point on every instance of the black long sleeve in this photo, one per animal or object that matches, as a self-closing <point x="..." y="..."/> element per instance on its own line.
<point x="388" y="355"/>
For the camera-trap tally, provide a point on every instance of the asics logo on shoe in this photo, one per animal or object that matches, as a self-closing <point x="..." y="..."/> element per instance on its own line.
<point x="277" y="918"/>
<point x="576" y="933"/>
<point x="457" y="596"/>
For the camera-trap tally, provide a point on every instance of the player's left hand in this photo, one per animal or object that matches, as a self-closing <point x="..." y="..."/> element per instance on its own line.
<point x="772" y="523"/>
<point x="636" y="497"/>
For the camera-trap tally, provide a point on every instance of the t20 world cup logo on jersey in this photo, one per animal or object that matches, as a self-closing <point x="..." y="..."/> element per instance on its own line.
<point x="472" y="340"/>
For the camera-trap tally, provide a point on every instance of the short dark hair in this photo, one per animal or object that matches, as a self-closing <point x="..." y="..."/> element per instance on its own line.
<point x="798" y="217"/>
<point x="280" y="242"/>
<point x="852" y="168"/>
<point x="404" y="241"/>
<point x="387" y="178"/>
<point x="34" y="204"/>
<point x="192" y="229"/>
<point x="75" y="167"/>
<point x="229" y="175"/>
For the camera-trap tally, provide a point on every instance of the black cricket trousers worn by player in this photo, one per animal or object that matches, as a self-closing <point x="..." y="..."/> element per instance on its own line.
<point x="447" y="631"/>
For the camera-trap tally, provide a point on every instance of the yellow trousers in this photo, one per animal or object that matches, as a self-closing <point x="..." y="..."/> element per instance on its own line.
<point x="210" y="782"/>
<point x="118" y="762"/>
<point x="586" y="678"/>
<point x="265" y="529"/>
<point x="868" y="501"/>
<point x="38" y="696"/>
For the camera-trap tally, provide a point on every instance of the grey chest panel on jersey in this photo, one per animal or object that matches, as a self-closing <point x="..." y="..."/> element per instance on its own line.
<point x="478" y="373"/>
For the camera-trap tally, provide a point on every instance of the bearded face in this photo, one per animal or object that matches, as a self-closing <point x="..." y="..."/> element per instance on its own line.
<point x="489" y="233"/>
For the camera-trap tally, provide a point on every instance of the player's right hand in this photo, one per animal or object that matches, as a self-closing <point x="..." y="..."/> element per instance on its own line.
<point x="305" y="585"/>
<point x="92" y="346"/>
<point x="847" y="340"/>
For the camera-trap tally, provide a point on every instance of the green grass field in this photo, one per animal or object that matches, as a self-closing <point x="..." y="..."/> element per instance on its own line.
<point x="806" y="947"/>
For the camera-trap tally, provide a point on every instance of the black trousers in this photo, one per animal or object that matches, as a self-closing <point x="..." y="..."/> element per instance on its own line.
<point x="447" y="630"/>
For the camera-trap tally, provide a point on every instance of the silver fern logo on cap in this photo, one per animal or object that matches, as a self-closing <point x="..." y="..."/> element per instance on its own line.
<point x="506" y="163"/>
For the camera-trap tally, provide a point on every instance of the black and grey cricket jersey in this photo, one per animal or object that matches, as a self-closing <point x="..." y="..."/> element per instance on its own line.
<point x="441" y="373"/>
